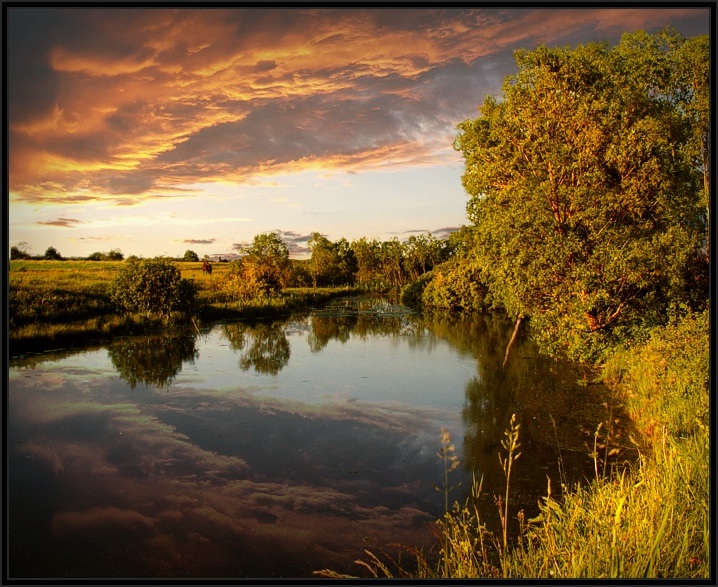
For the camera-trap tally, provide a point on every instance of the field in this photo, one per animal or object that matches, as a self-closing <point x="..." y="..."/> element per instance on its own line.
<point x="55" y="303"/>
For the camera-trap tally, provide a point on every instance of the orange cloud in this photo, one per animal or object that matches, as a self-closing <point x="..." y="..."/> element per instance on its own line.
<point x="144" y="101"/>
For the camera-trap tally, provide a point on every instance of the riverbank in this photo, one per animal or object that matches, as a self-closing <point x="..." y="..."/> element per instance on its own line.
<point x="66" y="303"/>
<point x="648" y="520"/>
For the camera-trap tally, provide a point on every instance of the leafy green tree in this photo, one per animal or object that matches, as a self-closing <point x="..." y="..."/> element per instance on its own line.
<point x="52" y="254"/>
<point x="422" y="253"/>
<point x="152" y="286"/>
<point x="264" y="270"/>
<point x="113" y="255"/>
<point x="367" y="253"/>
<point x="190" y="256"/>
<point x="585" y="202"/>
<point x="380" y="264"/>
<point x="322" y="260"/>
<point x="332" y="263"/>
<point x="19" y="251"/>
<point x="391" y="256"/>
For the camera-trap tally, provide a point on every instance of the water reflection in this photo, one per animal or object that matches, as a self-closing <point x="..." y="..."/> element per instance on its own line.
<point x="264" y="346"/>
<point x="557" y="408"/>
<point x="153" y="359"/>
<point x="274" y="449"/>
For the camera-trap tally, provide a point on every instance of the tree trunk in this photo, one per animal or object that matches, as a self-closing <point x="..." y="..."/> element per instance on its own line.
<point x="513" y="337"/>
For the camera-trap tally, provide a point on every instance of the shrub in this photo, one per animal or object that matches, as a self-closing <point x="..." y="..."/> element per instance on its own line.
<point x="18" y="253"/>
<point x="455" y="284"/>
<point x="152" y="286"/>
<point x="411" y="293"/>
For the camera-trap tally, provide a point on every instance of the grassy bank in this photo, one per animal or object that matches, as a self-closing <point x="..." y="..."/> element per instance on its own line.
<point x="62" y="303"/>
<point x="647" y="520"/>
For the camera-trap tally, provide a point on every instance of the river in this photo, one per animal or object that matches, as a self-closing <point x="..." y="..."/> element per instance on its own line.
<point x="275" y="449"/>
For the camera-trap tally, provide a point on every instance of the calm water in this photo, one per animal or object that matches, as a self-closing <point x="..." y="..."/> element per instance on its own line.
<point x="276" y="449"/>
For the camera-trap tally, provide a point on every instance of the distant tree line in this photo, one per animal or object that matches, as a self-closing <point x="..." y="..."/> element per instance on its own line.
<point x="19" y="252"/>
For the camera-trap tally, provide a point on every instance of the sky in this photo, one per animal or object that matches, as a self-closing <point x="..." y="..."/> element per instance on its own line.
<point x="160" y="130"/>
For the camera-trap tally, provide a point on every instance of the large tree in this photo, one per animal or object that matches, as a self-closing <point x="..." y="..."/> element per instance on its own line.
<point x="586" y="187"/>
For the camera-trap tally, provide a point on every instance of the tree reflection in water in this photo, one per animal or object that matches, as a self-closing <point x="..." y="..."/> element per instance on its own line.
<point x="327" y="328"/>
<point x="362" y="318"/>
<point x="265" y="346"/>
<point x="153" y="359"/>
<point x="558" y="410"/>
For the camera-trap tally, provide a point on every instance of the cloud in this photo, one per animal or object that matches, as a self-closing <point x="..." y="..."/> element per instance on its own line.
<point x="195" y="241"/>
<point x="442" y="233"/>
<point x="173" y="500"/>
<point x="134" y="104"/>
<point x="64" y="222"/>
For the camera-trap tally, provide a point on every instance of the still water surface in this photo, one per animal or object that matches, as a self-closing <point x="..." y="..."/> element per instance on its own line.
<point x="279" y="448"/>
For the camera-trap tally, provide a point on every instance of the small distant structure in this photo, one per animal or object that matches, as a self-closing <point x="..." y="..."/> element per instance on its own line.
<point x="223" y="258"/>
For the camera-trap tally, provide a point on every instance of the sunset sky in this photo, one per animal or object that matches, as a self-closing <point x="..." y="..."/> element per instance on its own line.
<point x="160" y="130"/>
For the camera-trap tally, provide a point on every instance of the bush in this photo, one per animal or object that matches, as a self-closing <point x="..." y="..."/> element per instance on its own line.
<point x="18" y="253"/>
<point x="455" y="285"/>
<point x="152" y="286"/>
<point x="411" y="293"/>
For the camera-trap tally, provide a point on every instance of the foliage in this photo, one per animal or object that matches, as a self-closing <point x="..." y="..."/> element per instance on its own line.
<point x="265" y="346"/>
<point x="412" y="293"/>
<point x="190" y="256"/>
<point x="422" y="253"/>
<point x="456" y="285"/>
<point x="152" y="286"/>
<point x="19" y="252"/>
<point x="113" y="255"/>
<point x="584" y="191"/>
<point x="300" y="274"/>
<point x="263" y="271"/>
<point x="665" y="378"/>
<point x="52" y="254"/>
<point x="53" y="303"/>
<point x="624" y="525"/>
<point x="152" y="359"/>
<point x="332" y="263"/>
<point x="380" y="264"/>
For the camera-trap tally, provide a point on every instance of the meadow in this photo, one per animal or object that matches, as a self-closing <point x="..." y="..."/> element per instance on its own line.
<point x="57" y="303"/>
